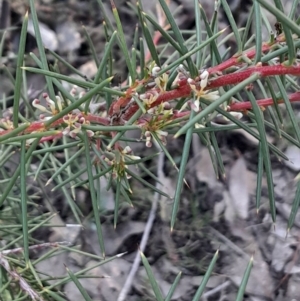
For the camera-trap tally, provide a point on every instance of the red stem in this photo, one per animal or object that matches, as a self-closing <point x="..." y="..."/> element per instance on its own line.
<point x="233" y="61"/>
<point x="237" y="77"/>
<point x="242" y="106"/>
<point x="39" y="126"/>
<point x="97" y="119"/>
<point x="50" y="138"/>
<point x="184" y="89"/>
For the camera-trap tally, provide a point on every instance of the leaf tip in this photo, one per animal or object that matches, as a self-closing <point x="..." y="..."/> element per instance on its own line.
<point x="48" y="182"/>
<point x="121" y="254"/>
<point x="113" y="5"/>
<point x="287" y="232"/>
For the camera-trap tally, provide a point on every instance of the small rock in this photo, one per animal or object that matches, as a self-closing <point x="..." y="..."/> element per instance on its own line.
<point x="49" y="37"/>
<point x="68" y="37"/>
<point x="293" y="153"/>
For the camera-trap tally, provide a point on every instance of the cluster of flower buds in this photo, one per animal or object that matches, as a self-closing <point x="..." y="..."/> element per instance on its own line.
<point x="6" y="123"/>
<point x="118" y="159"/>
<point x="152" y="128"/>
<point x="161" y="135"/>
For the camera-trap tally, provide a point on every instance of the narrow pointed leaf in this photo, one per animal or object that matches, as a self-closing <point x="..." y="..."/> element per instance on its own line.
<point x="233" y="25"/>
<point x="242" y="288"/>
<point x="147" y="36"/>
<point x="265" y="153"/>
<point x="95" y="177"/>
<point x="289" y="107"/>
<point x="41" y="48"/>
<point x="248" y="26"/>
<point x="198" y="32"/>
<point x="117" y="202"/>
<point x="182" y="170"/>
<point x="18" y="83"/>
<point x="65" y="63"/>
<point x="206" y="277"/>
<point x="122" y="41"/>
<point x="16" y="174"/>
<point x="82" y="290"/>
<point x="295" y="208"/>
<point x="146" y="183"/>
<point x="152" y="280"/>
<point x="173" y="287"/>
<point x="23" y="177"/>
<point x="178" y="36"/>
<point x="105" y="15"/>
<point x="105" y="56"/>
<point x="260" y="171"/>
<point x="164" y="33"/>
<point x="210" y="33"/>
<point x="258" y="32"/>
<point x="91" y="46"/>
<point x="287" y="34"/>
<point x="93" y="193"/>
<point x="66" y="164"/>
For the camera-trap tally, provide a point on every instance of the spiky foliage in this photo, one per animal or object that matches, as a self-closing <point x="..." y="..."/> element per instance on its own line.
<point x="163" y="96"/>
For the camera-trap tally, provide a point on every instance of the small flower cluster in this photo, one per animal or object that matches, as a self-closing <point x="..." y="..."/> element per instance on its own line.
<point x="161" y="135"/>
<point x="152" y="128"/>
<point x="51" y="110"/>
<point x="160" y="80"/>
<point x="74" y="123"/>
<point x="149" y="98"/>
<point x="158" y="86"/>
<point x="213" y="95"/>
<point x="6" y="123"/>
<point x="118" y="159"/>
<point x="74" y="120"/>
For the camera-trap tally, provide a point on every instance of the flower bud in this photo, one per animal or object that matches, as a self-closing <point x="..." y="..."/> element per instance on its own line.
<point x="155" y="70"/>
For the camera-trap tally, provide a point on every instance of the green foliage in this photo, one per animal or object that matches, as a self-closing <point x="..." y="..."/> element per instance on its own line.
<point x="164" y="94"/>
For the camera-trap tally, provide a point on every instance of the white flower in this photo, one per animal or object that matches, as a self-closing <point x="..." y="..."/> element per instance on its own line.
<point x="155" y="71"/>
<point x="37" y="104"/>
<point x="213" y="95"/>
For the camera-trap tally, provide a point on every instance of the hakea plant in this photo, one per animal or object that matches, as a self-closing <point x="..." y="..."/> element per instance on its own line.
<point x="156" y="93"/>
<point x="156" y="98"/>
<point x="181" y="94"/>
<point x="152" y="99"/>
